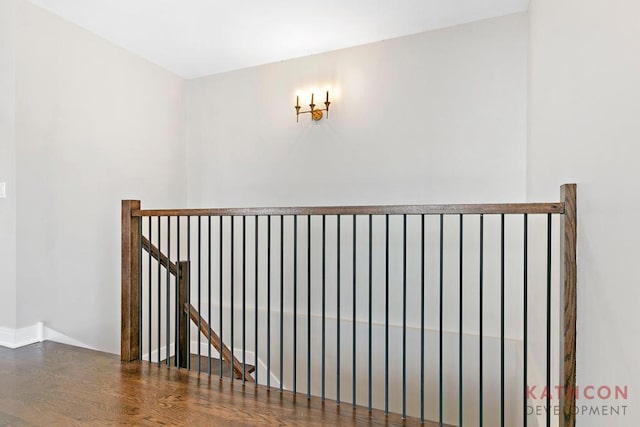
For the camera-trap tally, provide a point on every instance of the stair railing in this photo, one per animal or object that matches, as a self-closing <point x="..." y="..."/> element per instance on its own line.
<point x="366" y="258"/>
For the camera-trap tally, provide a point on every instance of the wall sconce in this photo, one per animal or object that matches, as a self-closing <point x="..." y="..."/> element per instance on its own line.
<point x="316" y="113"/>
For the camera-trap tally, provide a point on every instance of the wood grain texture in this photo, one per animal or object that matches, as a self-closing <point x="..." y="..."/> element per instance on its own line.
<point x="568" y="304"/>
<point x="504" y="208"/>
<point x="130" y="294"/>
<point x="55" y="384"/>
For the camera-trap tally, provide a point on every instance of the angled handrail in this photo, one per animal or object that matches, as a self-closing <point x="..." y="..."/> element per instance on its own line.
<point x="159" y="256"/>
<point x="214" y="339"/>
<point x="190" y="310"/>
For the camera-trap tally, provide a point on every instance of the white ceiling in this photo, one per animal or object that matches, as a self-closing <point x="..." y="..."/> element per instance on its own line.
<point x="199" y="37"/>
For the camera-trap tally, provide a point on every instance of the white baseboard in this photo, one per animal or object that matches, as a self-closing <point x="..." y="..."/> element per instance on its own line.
<point x="15" y="338"/>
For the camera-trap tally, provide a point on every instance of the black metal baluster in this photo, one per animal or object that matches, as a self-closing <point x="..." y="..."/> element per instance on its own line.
<point x="187" y="317"/>
<point x="309" y="307"/>
<point x="244" y="297"/>
<point x="525" y="279"/>
<point x="177" y="308"/>
<point x="422" y="278"/>
<point x="441" y="316"/>
<point x="255" y="372"/>
<point x="150" y="288"/>
<point x="221" y="280"/>
<point x="548" y="319"/>
<point x="281" y="302"/>
<point x="353" y="345"/>
<point x="481" y="337"/>
<point x="199" y="290"/>
<point x="140" y="303"/>
<point x="159" y="332"/>
<point x="324" y="221"/>
<point x="232" y="292"/>
<point x="268" y="301"/>
<point x="502" y="320"/>
<point x="460" y="322"/>
<point x="295" y="303"/>
<point x="404" y="317"/>
<point x="168" y="297"/>
<point x="386" y="319"/>
<point x="209" y="292"/>
<point x="338" y="313"/>
<point x="370" y="367"/>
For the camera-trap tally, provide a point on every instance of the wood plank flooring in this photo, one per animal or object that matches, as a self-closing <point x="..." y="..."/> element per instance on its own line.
<point x="54" y="384"/>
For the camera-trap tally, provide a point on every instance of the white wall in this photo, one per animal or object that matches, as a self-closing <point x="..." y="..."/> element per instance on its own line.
<point x="435" y="117"/>
<point x="7" y="164"/>
<point x="584" y="108"/>
<point x="438" y="117"/>
<point x="94" y="125"/>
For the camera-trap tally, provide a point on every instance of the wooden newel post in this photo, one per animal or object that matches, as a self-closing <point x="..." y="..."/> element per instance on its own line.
<point x="184" y="322"/>
<point x="130" y="287"/>
<point x="568" y="304"/>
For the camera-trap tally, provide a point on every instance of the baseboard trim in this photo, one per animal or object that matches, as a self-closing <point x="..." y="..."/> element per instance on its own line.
<point x="16" y="338"/>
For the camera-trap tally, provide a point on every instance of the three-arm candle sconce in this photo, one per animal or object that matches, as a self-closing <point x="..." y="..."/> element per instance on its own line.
<point x="316" y="113"/>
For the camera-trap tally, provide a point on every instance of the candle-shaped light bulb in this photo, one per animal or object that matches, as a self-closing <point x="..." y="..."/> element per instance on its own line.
<point x="327" y="96"/>
<point x="297" y="100"/>
<point x="312" y="97"/>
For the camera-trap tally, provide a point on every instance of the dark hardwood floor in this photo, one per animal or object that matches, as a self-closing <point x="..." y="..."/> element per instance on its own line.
<point x="49" y="384"/>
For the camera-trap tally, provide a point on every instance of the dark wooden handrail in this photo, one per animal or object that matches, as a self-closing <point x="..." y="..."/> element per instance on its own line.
<point x="214" y="339"/>
<point x="159" y="256"/>
<point x="500" y="208"/>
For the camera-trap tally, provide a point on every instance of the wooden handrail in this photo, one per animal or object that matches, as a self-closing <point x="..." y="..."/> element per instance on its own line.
<point x="500" y="208"/>
<point x="214" y="339"/>
<point x="159" y="256"/>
